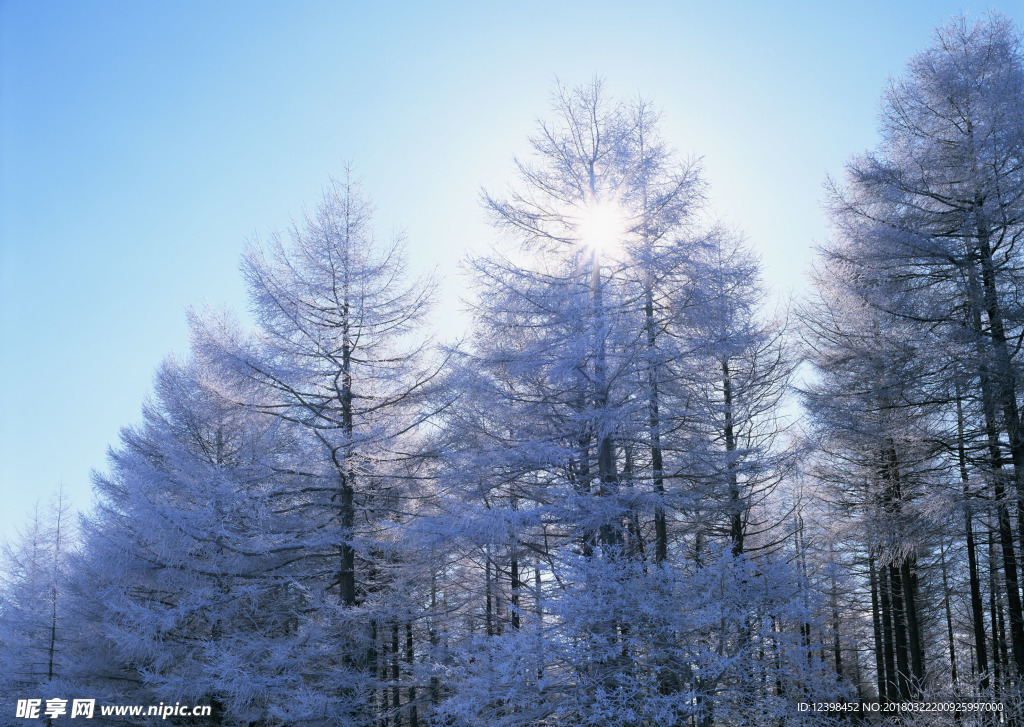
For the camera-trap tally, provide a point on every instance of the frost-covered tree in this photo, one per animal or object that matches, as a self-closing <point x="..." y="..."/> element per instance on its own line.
<point x="186" y="587"/>
<point x="878" y="431"/>
<point x="733" y="437"/>
<point x="617" y="385"/>
<point x="585" y="297"/>
<point x="930" y="224"/>
<point x="339" y="355"/>
<point x="34" y="628"/>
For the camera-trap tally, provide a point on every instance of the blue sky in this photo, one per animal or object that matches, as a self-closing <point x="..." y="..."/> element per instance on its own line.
<point x="142" y="143"/>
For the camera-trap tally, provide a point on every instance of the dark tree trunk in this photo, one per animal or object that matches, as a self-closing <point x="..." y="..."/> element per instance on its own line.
<point x="1001" y="389"/>
<point x="735" y="505"/>
<point x="837" y="650"/>
<point x="909" y="576"/>
<point x="949" y="612"/>
<point x="977" y="607"/>
<point x="1010" y="575"/>
<point x="1006" y="384"/>
<point x="489" y="594"/>
<point x="396" y="697"/>
<point x="995" y="616"/>
<point x="892" y="691"/>
<point x="609" y="531"/>
<point x="654" y="422"/>
<point x="347" y="576"/>
<point x="410" y="660"/>
<point x="385" y="697"/>
<point x="514" y="573"/>
<point x="539" y="610"/>
<point x="876" y="625"/>
<point x="900" y="627"/>
<point x="435" y="640"/>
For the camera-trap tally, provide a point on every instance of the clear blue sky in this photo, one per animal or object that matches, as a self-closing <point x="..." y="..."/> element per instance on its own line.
<point x="141" y="144"/>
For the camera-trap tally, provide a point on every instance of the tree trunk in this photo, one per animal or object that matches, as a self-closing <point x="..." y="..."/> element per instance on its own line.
<point x="347" y="576"/>
<point x="435" y="639"/>
<point x="892" y="691"/>
<point x="876" y="625"/>
<point x="514" y="573"/>
<point x="900" y="627"/>
<point x="396" y="697"/>
<point x="909" y="577"/>
<point x="410" y="660"/>
<point x="538" y="605"/>
<point x="489" y="593"/>
<point x="992" y="432"/>
<point x="1006" y="384"/>
<point x="949" y="613"/>
<point x="837" y="651"/>
<point x="654" y="423"/>
<point x="977" y="607"/>
<point x="998" y="644"/>
<point x="385" y="697"/>
<point x="609" y="531"/>
<point x="735" y="505"/>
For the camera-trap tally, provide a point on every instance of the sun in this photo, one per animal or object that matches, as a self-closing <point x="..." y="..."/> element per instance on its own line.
<point x="602" y="226"/>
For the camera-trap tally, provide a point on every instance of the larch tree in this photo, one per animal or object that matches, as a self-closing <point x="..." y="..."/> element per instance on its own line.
<point x="618" y="381"/>
<point x="185" y="585"/>
<point x="934" y="216"/>
<point x="34" y="604"/>
<point x="339" y="354"/>
<point x="878" y="429"/>
<point x="734" y="388"/>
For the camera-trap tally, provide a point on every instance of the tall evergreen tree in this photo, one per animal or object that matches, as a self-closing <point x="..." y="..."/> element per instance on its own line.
<point x="618" y="383"/>
<point x="339" y="355"/>
<point x="34" y="605"/>
<point x="186" y="588"/>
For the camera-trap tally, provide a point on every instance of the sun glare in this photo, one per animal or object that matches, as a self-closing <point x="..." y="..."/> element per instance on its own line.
<point x="602" y="226"/>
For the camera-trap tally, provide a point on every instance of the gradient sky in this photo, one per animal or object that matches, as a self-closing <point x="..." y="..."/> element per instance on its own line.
<point x="142" y="143"/>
